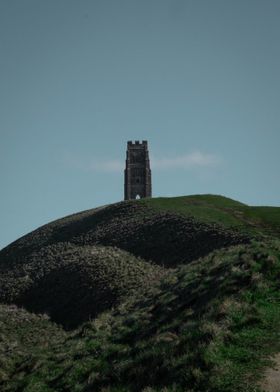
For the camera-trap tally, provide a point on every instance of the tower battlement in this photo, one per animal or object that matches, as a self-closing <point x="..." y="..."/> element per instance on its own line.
<point x="137" y="143"/>
<point x="137" y="174"/>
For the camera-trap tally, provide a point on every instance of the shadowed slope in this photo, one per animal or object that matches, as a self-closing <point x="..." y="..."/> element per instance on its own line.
<point x="168" y="238"/>
<point x="73" y="283"/>
<point x="25" y="340"/>
<point x="62" y="269"/>
<point x="207" y="327"/>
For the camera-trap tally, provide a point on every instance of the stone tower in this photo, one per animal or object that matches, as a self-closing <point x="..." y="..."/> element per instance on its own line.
<point x="137" y="174"/>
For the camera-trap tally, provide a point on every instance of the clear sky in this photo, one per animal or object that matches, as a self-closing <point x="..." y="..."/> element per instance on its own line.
<point x="199" y="79"/>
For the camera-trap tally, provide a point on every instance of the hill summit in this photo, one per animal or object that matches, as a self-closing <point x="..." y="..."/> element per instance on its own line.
<point x="172" y="294"/>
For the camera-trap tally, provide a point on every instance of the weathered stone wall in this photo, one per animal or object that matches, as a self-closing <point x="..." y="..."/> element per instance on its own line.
<point x="137" y="174"/>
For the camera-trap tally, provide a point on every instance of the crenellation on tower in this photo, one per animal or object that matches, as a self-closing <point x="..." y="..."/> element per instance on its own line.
<point x="137" y="174"/>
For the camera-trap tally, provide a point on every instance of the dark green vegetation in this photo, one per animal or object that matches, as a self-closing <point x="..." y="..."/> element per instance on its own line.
<point x="168" y="294"/>
<point x="72" y="283"/>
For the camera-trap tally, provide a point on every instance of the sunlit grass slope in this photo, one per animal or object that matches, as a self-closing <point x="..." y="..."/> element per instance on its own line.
<point x="222" y="210"/>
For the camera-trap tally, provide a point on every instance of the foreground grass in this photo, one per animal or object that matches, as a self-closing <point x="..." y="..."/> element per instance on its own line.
<point x="209" y="326"/>
<point x="195" y="322"/>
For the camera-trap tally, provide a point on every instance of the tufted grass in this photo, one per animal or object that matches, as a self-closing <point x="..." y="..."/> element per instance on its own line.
<point x="211" y="325"/>
<point x="166" y="294"/>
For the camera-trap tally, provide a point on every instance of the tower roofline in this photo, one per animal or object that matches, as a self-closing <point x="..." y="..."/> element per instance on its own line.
<point x="137" y="143"/>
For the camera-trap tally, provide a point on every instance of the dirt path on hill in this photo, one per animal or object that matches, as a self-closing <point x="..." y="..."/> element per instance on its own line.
<point x="271" y="381"/>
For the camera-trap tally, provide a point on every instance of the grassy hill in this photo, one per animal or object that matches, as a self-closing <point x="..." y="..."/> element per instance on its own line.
<point x="73" y="283"/>
<point x="164" y="294"/>
<point x="224" y="211"/>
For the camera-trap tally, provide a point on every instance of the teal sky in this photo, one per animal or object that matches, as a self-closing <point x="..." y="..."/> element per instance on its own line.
<point x="198" y="79"/>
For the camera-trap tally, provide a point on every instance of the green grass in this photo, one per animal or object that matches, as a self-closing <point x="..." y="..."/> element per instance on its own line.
<point x="222" y="210"/>
<point x="210" y="326"/>
<point x="207" y="319"/>
<point x="74" y="283"/>
<point x="207" y="208"/>
<point x="269" y="217"/>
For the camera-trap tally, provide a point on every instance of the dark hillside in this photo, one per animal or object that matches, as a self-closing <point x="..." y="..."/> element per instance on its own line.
<point x="24" y="336"/>
<point x="73" y="283"/>
<point x="209" y="327"/>
<point x="166" y="294"/>
<point x="167" y="238"/>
